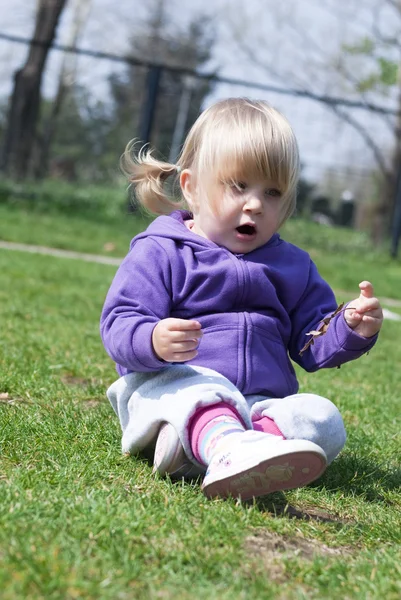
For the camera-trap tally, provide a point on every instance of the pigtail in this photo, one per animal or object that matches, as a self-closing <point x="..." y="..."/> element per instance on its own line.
<point x="148" y="176"/>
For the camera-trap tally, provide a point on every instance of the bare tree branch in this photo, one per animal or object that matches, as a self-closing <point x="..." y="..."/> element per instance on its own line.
<point x="281" y="76"/>
<point x="304" y="85"/>
<point x="365" y="135"/>
<point x="347" y="74"/>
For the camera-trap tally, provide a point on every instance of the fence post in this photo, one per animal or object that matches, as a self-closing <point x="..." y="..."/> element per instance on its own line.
<point x="149" y="104"/>
<point x="188" y="84"/>
<point x="346" y="211"/>
<point x="397" y="218"/>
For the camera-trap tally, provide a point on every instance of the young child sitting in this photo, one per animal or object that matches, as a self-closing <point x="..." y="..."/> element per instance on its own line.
<point x="209" y="306"/>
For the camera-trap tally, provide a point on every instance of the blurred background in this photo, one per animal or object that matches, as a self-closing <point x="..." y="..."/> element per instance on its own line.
<point x="80" y="78"/>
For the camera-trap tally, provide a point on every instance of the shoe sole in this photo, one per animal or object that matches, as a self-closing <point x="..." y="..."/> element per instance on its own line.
<point x="170" y="458"/>
<point x="169" y="455"/>
<point x="285" y="472"/>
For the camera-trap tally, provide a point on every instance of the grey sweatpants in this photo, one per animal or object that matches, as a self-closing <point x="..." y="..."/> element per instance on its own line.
<point x="143" y="401"/>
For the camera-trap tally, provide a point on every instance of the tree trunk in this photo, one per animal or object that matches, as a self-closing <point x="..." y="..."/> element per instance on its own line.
<point x="66" y="80"/>
<point x="385" y="209"/>
<point x="25" y="100"/>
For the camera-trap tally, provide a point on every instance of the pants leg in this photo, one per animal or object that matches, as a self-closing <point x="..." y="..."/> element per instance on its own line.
<point x="305" y="416"/>
<point x="143" y="401"/>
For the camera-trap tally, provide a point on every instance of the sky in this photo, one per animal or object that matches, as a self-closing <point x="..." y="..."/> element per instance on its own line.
<point x="287" y="44"/>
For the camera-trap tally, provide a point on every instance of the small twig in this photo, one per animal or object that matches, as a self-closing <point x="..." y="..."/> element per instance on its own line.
<point x="323" y="327"/>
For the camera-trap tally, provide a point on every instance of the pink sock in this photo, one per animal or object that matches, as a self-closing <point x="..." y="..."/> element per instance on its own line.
<point x="267" y="425"/>
<point x="209" y="425"/>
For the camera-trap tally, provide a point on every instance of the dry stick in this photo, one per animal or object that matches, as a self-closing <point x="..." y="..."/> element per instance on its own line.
<point x="323" y="327"/>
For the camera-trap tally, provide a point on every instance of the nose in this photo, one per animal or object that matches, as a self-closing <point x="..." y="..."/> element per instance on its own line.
<point x="253" y="204"/>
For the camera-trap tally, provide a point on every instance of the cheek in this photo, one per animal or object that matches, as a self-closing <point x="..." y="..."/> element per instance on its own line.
<point x="272" y="219"/>
<point x="217" y="212"/>
<point x="275" y="210"/>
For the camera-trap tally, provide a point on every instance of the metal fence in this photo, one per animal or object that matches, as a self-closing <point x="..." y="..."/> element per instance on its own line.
<point x="336" y="158"/>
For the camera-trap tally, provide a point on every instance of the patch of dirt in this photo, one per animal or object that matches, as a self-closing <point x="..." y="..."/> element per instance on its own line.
<point x="82" y="382"/>
<point x="270" y="548"/>
<point x="315" y="514"/>
<point x="269" y="542"/>
<point x="91" y="403"/>
<point x="71" y="380"/>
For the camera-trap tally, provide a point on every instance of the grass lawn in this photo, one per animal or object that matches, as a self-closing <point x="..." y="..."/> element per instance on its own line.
<point x="79" y="520"/>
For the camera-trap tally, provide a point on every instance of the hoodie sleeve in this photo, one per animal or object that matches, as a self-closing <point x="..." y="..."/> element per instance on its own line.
<point x="139" y="296"/>
<point x="339" y="344"/>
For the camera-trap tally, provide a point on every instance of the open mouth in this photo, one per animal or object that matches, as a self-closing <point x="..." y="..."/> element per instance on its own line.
<point x="246" y="229"/>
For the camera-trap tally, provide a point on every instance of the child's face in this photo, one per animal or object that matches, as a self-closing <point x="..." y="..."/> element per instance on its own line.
<point x="247" y="214"/>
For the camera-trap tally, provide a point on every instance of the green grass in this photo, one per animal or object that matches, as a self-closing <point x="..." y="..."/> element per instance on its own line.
<point x="110" y="237"/>
<point x="79" y="520"/>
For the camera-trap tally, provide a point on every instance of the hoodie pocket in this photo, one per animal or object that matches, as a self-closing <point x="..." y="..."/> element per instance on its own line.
<point x="221" y="347"/>
<point x="271" y="370"/>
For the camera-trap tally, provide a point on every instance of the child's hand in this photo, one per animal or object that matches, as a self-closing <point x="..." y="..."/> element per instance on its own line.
<point x="176" y="340"/>
<point x="367" y="316"/>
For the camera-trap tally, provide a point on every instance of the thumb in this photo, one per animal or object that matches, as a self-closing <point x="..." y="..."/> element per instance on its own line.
<point x="366" y="289"/>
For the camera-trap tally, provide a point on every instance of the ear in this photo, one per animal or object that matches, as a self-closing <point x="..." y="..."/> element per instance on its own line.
<point x="188" y="188"/>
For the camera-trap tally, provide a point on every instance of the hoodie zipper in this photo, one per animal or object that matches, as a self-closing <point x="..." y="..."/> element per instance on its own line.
<point x="245" y="323"/>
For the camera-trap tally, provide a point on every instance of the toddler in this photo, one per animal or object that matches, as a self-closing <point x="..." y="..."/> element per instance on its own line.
<point x="209" y="306"/>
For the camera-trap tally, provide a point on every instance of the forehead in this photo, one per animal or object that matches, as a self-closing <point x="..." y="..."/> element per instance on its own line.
<point x="232" y="152"/>
<point x="248" y="164"/>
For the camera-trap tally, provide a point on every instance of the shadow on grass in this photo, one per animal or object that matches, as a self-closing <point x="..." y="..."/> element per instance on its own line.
<point x="352" y="476"/>
<point x="358" y="476"/>
<point x="277" y="505"/>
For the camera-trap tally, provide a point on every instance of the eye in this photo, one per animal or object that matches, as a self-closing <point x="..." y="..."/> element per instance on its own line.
<point x="239" y="186"/>
<point x="273" y="192"/>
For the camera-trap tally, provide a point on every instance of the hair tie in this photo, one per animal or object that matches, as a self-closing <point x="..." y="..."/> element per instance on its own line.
<point x="178" y="168"/>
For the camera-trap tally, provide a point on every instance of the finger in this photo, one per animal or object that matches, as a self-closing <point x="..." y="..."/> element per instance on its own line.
<point x="183" y="356"/>
<point x="188" y="346"/>
<point x="367" y="304"/>
<point x="185" y="336"/>
<point x="366" y="289"/>
<point x="183" y="325"/>
<point x="352" y="310"/>
<point x="370" y="318"/>
<point x="354" y="317"/>
<point x="377" y="313"/>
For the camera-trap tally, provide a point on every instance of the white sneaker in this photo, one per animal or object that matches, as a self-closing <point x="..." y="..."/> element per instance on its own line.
<point x="254" y="464"/>
<point x="170" y="458"/>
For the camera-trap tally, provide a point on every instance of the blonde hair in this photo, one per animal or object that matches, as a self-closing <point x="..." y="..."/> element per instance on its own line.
<point x="232" y="139"/>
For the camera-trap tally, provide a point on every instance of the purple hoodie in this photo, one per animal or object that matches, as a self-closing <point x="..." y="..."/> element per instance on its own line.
<point x="255" y="309"/>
